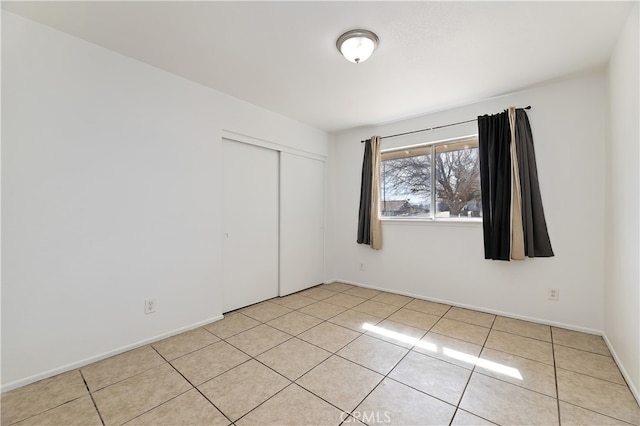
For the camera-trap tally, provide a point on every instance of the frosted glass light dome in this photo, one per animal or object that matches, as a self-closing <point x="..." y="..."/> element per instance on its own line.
<point x="357" y="45"/>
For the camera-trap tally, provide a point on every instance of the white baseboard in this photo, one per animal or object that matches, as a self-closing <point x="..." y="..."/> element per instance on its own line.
<point x="626" y="376"/>
<point x="624" y="372"/>
<point x="477" y="308"/>
<point x="81" y="363"/>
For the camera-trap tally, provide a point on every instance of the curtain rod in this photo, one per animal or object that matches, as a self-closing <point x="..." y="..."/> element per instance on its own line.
<point x="431" y="128"/>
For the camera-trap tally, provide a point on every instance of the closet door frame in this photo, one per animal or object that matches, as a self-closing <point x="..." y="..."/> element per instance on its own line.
<point x="239" y="137"/>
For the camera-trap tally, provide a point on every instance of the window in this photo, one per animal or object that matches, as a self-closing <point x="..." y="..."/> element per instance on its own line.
<point x="435" y="181"/>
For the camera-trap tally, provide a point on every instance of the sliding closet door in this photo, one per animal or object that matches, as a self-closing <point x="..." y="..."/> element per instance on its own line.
<point x="301" y="223"/>
<point x="250" y="224"/>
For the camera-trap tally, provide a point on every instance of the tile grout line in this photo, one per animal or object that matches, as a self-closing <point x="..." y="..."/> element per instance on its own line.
<point x="598" y="413"/>
<point x="333" y="354"/>
<point x="544" y="363"/>
<point x="59" y="405"/>
<point x="153" y="408"/>
<point x="587" y="351"/>
<point x="337" y="325"/>
<point x="365" y="332"/>
<point x="553" y="344"/>
<point x="513" y="333"/>
<point x="473" y="369"/>
<point x="178" y="357"/>
<point x="555" y="377"/>
<point x="518" y="356"/>
<point x="385" y="376"/>
<point x="128" y="377"/>
<point x="251" y="356"/>
<point x="513" y="384"/>
<point x="374" y="336"/>
<point x="555" y="374"/>
<point x="442" y="316"/>
<point x="265" y="401"/>
<point x="412" y="348"/>
<point x="91" y="396"/>
<point x="594" y="377"/>
<point x="336" y="352"/>
<point x="291" y="382"/>
<point x="242" y="363"/>
<point x="235" y="334"/>
<point x="294" y="382"/>
<point x="556" y="368"/>
<point x="192" y="388"/>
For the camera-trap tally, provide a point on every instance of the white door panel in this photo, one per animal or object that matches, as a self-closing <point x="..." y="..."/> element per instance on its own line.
<point x="301" y="223"/>
<point x="250" y="224"/>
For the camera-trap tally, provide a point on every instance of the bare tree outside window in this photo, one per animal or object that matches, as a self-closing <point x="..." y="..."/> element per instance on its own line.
<point x="406" y="186"/>
<point x="448" y="173"/>
<point x="457" y="179"/>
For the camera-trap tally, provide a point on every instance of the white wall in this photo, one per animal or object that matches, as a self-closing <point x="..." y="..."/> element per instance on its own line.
<point x="622" y="284"/>
<point x="111" y="194"/>
<point x="442" y="261"/>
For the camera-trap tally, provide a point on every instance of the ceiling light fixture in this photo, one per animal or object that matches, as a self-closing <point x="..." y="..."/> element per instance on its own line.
<point x="357" y="45"/>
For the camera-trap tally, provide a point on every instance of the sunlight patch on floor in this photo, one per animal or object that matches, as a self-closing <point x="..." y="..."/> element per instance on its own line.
<point x="451" y="353"/>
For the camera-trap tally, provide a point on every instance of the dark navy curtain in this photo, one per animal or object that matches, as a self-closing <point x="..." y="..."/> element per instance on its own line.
<point x="536" y="235"/>
<point x="494" y="138"/>
<point x="364" y="215"/>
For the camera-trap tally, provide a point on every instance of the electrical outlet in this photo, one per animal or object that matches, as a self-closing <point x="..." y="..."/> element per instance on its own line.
<point x="149" y="306"/>
<point x="553" y="294"/>
<point x="362" y="266"/>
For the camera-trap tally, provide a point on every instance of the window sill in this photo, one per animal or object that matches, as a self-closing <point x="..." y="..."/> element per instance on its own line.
<point x="430" y="222"/>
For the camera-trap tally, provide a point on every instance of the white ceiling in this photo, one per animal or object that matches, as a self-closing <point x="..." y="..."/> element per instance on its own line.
<point x="282" y="55"/>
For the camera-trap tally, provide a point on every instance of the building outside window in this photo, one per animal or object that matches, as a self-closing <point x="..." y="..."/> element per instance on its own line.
<point x="436" y="181"/>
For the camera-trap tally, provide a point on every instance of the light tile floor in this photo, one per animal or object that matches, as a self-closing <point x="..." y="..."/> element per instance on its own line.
<point x="339" y="354"/>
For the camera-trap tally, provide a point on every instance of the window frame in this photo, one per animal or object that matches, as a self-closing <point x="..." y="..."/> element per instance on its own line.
<point x="433" y="191"/>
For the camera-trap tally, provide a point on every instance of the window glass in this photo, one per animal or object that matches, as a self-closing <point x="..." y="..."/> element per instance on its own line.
<point x="447" y="173"/>
<point x="406" y="184"/>
<point x="458" y="180"/>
